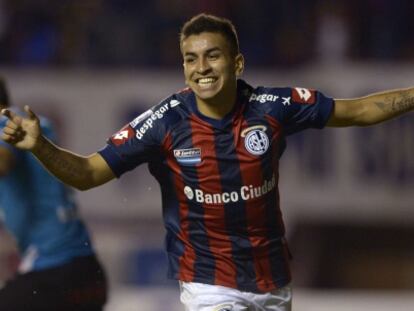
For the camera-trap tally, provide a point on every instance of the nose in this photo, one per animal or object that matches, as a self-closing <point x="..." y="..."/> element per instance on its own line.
<point x="203" y="66"/>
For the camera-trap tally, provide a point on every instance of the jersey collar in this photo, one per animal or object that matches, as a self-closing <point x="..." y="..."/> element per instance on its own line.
<point x="229" y="117"/>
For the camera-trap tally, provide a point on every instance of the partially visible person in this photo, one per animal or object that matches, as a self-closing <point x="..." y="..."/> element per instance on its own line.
<point x="59" y="269"/>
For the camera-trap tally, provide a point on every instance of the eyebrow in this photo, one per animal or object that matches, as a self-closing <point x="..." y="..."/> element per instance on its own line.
<point x="206" y="52"/>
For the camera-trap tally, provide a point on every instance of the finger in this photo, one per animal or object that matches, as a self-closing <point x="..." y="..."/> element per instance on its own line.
<point x="17" y="134"/>
<point x="30" y="113"/>
<point x="10" y="131"/>
<point x="15" y="121"/>
<point x="12" y="125"/>
<point x="8" y="114"/>
<point x="8" y="138"/>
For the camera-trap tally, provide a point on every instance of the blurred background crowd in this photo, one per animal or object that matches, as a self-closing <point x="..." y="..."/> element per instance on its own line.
<point x="272" y="33"/>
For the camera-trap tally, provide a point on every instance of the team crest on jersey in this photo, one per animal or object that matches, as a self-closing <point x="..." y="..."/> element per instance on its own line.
<point x="190" y="156"/>
<point x="303" y="96"/>
<point x="255" y="139"/>
<point x="226" y="307"/>
<point x="123" y="135"/>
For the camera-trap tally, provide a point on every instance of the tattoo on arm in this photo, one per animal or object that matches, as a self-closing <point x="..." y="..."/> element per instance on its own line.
<point x="57" y="163"/>
<point x="396" y="104"/>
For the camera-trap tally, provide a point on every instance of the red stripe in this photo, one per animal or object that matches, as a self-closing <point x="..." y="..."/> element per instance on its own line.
<point x="251" y="172"/>
<point x="214" y="215"/>
<point x="186" y="262"/>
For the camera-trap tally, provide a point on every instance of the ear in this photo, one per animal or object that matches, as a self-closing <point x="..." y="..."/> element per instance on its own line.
<point x="239" y="64"/>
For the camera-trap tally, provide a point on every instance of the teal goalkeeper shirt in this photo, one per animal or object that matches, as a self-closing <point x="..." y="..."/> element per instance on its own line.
<point x="40" y="212"/>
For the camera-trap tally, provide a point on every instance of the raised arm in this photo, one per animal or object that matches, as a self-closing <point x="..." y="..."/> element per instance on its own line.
<point x="75" y="170"/>
<point x="81" y="172"/>
<point x="372" y="109"/>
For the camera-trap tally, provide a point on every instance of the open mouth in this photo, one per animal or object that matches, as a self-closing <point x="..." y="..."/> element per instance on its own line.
<point x="206" y="82"/>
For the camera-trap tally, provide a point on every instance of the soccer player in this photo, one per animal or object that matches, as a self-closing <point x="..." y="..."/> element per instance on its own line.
<point x="214" y="149"/>
<point x="59" y="270"/>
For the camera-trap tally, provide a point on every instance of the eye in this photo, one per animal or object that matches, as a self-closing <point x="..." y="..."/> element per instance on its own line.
<point x="213" y="56"/>
<point x="189" y="60"/>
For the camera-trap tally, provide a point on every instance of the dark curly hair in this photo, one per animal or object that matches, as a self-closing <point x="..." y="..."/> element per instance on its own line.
<point x="210" y="23"/>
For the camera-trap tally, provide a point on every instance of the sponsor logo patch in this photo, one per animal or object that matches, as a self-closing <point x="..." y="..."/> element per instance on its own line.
<point x="188" y="156"/>
<point x="303" y="96"/>
<point x="153" y="116"/>
<point x="123" y="135"/>
<point x="244" y="193"/>
<point x="263" y="98"/>
<point x="141" y="117"/>
<point x="188" y="192"/>
<point x="286" y="101"/>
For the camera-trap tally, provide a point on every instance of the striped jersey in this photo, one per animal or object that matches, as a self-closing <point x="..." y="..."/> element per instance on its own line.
<point x="219" y="180"/>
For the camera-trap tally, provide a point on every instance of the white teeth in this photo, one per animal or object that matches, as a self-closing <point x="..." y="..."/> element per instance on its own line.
<point x="206" y="80"/>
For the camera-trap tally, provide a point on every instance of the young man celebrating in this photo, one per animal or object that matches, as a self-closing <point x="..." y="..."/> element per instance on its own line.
<point x="59" y="269"/>
<point x="215" y="149"/>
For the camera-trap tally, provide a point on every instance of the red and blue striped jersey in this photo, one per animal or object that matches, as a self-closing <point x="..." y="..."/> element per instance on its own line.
<point x="219" y="181"/>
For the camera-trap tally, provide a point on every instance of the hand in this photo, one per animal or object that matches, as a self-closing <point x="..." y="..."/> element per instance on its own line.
<point x="23" y="133"/>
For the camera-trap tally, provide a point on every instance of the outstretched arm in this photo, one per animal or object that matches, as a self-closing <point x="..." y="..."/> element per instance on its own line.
<point x="75" y="170"/>
<point x="81" y="172"/>
<point x="372" y="109"/>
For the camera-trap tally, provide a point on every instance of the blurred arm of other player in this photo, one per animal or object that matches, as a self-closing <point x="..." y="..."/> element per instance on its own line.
<point x="372" y="109"/>
<point x="7" y="161"/>
<point x="81" y="172"/>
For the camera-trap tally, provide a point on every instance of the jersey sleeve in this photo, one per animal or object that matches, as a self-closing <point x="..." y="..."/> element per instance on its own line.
<point x="136" y="143"/>
<point x="301" y="108"/>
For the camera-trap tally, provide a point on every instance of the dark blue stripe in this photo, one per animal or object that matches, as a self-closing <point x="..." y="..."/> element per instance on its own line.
<point x="171" y="215"/>
<point x="278" y="266"/>
<point x="235" y="212"/>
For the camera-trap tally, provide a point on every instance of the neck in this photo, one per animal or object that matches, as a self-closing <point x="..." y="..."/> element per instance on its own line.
<point x="219" y="106"/>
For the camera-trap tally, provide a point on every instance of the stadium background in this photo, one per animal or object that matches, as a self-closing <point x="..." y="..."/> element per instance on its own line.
<point x="347" y="194"/>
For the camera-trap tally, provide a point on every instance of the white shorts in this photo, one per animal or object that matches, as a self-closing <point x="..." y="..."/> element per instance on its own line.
<point x="204" y="297"/>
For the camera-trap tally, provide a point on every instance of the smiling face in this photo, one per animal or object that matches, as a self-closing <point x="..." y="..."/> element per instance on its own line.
<point x="210" y="69"/>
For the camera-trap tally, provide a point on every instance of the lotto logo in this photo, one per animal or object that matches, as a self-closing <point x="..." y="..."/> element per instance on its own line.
<point x="123" y="135"/>
<point x="188" y="156"/>
<point x="303" y="96"/>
